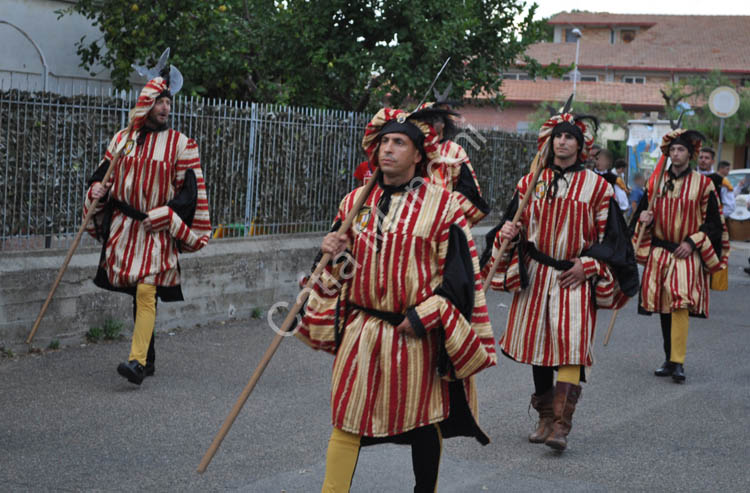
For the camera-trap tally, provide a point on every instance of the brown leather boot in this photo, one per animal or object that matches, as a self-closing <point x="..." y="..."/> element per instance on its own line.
<point x="563" y="407"/>
<point x="543" y="405"/>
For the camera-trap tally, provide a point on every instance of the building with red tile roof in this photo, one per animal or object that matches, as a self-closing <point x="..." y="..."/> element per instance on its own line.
<point x="623" y="59"/>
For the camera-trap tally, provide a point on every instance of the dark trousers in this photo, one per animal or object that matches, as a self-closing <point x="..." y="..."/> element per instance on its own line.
<point x="666" y="333"/>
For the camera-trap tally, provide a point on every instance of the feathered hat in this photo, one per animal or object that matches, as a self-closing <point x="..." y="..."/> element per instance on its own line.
<point x="691" y="139"/>
<point x="582" y="127"/>
<point x="163" y="81"/>
<point x="418" y="126"/>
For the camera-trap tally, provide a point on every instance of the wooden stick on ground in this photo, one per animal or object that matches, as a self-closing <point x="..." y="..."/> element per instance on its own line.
<point x="284" y="329"/>
<point x="517" y="217"/>
<point x="77" y="239"/>
<point x="651" y="202"/>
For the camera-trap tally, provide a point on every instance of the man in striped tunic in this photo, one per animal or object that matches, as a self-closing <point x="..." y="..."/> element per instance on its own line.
<point x="685" y="242"/>
<point x="453" y="171"/>
<point x="569" y="255"/>
<point x="402" y="309"/>
<point x="153" y="206"/>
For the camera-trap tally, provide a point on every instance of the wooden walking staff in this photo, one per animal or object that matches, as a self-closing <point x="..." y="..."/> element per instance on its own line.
<point x="77" y="239"/>
<point x="284" y="328"/>
<point x="637" y="245"/>
<point x="537" y="167"/>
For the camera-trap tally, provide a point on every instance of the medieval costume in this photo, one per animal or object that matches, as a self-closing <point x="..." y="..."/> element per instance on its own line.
<point x="571" y="215"/>
<point x="158" y="176"/>
<point x="726" y="195"/>
<point x="453" y="170"/>
<point x="410" y="254"/>
<point x="686" y="210"/>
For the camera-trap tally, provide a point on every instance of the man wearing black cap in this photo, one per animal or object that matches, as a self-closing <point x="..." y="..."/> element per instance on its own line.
<point x="569" y="255"/>
<point x="402" y="310"/>
<point x="684" y="242"/>
<point x="153" y="207"/>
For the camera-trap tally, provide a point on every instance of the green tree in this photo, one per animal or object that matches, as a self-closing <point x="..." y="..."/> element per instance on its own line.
<point x="329" y="53"/>
<point x="696" y="91"/>
<point x="209" y="41"/>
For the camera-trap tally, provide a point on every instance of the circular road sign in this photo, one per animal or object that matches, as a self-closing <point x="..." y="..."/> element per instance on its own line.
<point x="724" y="102"/>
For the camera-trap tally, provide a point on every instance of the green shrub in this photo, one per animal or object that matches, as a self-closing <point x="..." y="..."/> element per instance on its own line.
<point x="112" y="329"/>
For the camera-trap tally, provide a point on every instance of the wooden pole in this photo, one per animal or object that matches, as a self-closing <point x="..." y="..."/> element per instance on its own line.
<point x="301" y="298"/>
<point x="517" y="217"/>
<point x="651" y="202"/>
<point x="77" y="240"/>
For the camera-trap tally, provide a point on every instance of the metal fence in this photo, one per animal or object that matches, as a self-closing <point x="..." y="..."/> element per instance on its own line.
<point x="269" y="169"/>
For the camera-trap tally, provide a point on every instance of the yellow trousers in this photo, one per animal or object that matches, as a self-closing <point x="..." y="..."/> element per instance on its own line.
<point x="720" y="280"/>
<point x="145" y="318"/>
<point x="343" y="453"/>
<point x="679" y="336"/>
<point x="569" y="374"/>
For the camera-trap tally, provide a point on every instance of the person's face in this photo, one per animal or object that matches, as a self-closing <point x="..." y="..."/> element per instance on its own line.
<point x="565" y="146"/>
<point x="679" y="155"/>
<point x="723" y="171"/>
<point x="705" y="160"/>
<point x="397" y="157"/>
<point x="640" y="181"/>
<point x="160" y="112"/>
<point x="603" y="163"/>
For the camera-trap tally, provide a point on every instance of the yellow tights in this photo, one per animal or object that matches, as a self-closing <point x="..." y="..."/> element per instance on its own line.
<point x="679" y="336"/>
<point x="569" y="374"/>
<point x="343" y="453"/>
<point x="145" y="317"/>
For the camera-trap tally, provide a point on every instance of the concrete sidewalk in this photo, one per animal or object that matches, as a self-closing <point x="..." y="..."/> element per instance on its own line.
<point x="70" y="423"/>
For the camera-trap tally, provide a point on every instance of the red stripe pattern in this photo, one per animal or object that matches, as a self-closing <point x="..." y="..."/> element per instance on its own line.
<point x="146" y="178"/>
<point x="669" y="283"/>
<point x="549" y="325"/>
<point x="446" y="171"/>
<point x="384" y="382"/>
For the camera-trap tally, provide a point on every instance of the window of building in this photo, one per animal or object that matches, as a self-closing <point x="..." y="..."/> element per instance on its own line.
<point x="634" y="79"/>
<point x="569" y="36"/>
<point x="516" y="77"/>
<point x="627" y="35"/>
<point x="583" y="78"/>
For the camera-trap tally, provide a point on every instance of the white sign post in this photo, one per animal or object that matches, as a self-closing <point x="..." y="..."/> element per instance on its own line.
<point x="723" y="102"/>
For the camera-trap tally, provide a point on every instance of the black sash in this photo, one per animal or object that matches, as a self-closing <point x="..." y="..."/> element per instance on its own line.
<point x="128" y="210"/>
<point x="390" y="317"/>
<point x="667" y="245"/>
<point x="546" y="259"/>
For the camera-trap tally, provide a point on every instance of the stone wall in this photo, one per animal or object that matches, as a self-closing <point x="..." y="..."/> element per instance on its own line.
<point x="227" y="279"/>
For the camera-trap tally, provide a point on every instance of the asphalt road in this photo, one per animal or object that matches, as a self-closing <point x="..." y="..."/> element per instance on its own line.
<point x="68" y="422"/>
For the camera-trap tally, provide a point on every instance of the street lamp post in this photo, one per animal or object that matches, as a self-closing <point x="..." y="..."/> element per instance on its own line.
<point x="577" y="33"/>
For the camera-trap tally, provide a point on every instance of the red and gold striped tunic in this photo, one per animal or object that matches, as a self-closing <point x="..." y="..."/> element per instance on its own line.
<point x="384" y="382"/>
<point x="146" y="177"/>
<point x="686" y="209"/>
<point x="549" y="325"/>
<point x="454" y="173"/>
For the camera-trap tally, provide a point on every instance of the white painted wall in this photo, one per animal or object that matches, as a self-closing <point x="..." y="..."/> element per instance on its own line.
<point x="56" y="39"/>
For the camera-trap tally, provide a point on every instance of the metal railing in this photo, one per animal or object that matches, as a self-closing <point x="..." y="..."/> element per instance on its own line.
<point x="269" y="169"/>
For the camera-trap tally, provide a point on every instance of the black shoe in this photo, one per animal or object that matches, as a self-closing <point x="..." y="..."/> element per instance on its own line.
<point x="678" y="375"/>
<point x="149" y="370"/>
<point x="132" y="370"/>
<point x="747" y="270"/>
<point x="665" y="370"/>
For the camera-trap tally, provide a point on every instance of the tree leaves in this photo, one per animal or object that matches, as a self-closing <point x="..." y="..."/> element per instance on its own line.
<point x="344" y="54"/>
